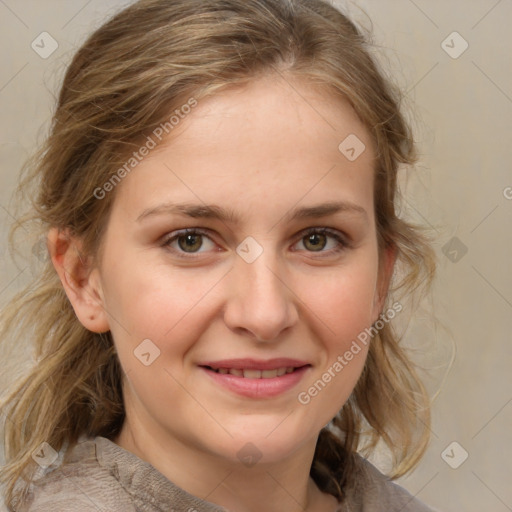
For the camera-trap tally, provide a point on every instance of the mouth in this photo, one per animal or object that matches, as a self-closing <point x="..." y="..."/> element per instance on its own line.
<point x="257" y="379"/>
<point x="247" y="373"/>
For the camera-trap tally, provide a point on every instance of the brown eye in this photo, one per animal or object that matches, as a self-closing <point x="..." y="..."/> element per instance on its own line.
<point x="324" y="241"/>
<point x="190" y="243"/>
<point x="315" y="241"/>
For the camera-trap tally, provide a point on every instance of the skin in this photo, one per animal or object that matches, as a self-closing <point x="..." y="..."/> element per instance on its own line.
<point x="262" y="151"/>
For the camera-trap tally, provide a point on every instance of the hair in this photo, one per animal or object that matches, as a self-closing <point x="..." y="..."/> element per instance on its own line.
<point x="145" y="62"/>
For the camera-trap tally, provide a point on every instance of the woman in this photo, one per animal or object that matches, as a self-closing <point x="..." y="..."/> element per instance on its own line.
<point x="214" y="325"/>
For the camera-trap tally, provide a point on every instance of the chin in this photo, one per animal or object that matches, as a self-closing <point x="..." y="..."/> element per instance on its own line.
<point x="266" y="442"/>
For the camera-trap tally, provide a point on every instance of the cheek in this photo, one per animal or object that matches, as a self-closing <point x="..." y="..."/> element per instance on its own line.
<point x="343" y="306"/>
<point x="343" y="301"/>
<point x="159" y="303"/>
<point x="345" y="312"/>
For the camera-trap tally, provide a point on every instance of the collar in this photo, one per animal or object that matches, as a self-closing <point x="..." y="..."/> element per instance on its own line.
<point x="146" y="484"/>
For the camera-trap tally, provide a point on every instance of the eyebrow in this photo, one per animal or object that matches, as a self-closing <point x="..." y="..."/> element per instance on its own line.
<point x="213" y="211"/>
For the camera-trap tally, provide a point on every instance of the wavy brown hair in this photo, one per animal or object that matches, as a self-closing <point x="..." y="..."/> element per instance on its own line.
<point x="142" y="64"/>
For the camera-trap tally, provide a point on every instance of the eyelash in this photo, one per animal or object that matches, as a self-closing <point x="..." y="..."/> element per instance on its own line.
<point x="342" y="243"/>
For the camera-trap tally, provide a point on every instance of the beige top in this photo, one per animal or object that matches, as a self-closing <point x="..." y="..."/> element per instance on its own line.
<point x="103" y="477"/>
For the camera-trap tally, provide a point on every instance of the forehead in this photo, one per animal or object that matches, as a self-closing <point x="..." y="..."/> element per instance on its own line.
<point x="274" y="140"/>
<point x="280" y="112"/>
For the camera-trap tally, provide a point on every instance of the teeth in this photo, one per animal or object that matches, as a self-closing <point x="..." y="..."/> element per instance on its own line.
<point x="252" y="374"/>
<point x="256" y="374"/>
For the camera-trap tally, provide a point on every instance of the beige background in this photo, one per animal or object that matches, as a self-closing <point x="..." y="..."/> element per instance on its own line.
<point x="463" y="122"/>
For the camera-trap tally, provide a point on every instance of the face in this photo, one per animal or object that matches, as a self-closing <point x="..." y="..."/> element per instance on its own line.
<point x="238" y="266"/>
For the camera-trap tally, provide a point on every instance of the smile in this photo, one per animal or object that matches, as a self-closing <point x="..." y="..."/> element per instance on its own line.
<point x="255" y="374"/>
<point x="256" y="379"/>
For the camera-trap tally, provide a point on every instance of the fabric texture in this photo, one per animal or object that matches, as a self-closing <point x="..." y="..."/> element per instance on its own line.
<point x="104" y="477"/>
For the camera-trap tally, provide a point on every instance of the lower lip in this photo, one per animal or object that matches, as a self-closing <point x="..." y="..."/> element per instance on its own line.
<point x="258" y="388"/>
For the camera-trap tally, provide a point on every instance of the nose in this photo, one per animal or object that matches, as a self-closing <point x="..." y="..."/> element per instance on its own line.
<point x="261" y="302"/>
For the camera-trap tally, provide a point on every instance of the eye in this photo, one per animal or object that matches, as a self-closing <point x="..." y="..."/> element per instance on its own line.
<point x="317" y="239"/>
<point x="188" y="241"/>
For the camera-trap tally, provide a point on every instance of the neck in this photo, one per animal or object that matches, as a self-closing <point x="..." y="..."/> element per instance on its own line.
<point x="285" y="485"/>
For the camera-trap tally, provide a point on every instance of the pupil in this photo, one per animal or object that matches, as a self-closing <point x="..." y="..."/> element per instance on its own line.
<point x="191" y="241"/>
<point x="314" y="237"/>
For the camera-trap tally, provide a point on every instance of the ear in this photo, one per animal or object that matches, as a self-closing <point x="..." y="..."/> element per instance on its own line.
<point x="387" y="264"/>
<point x="81" y="282"/>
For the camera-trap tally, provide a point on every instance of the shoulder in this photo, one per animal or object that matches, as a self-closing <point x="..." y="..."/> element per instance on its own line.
<point x="373" y="492"/>
<point x="79" y="484"/>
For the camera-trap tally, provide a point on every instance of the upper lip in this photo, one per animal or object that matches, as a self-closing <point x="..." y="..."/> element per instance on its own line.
<point x="255" y="364"/>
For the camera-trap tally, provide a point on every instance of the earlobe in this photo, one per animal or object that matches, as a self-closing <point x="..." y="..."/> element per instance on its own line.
<point x="81" y="282"/>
